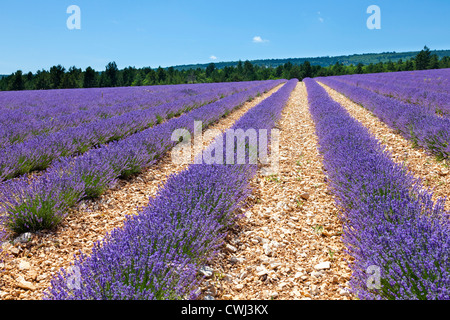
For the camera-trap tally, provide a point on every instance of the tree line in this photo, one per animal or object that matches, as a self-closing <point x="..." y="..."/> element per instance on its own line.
<point x="60" y="78"/>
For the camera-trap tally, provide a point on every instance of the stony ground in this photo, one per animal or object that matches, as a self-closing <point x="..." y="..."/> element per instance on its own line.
<point x="28" y="267"/>
<point x="435" y="174"/>
<point x="286" y="246"/>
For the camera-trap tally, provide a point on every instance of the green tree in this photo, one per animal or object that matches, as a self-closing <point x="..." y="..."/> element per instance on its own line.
<point x="89" y="78"/>
<point x="138" y="80"/>
<point x="434" y="62"/>
<point x="390" y="66"/>
<point x="17" y="82"/>
<point x="338" y="68"/>
<point x="359" y="68"/>
<point x="56" y="76"/>
<point x="170" y="75"/>
<point x="264" y="73"/>
<point x="210" y="69"/>
<point x="42" y="80"/>
<point x="445" y="62"/>
<point x="307" y="70"/>
<point x="279" y="71"/>
<point x="128" y="75"/>
<point x="239" y="67"/>
<point x="296" y="72"/>
<point x="111" y="75"/>
<point x="29" y="81"/>
<point x="71" y="79"/>
<point x="161" y="75"/>
<point x="249" y="71"/>
<point x="150" y="78"/>
<point x="423" y="58"/>
<point x="409" y="65"/>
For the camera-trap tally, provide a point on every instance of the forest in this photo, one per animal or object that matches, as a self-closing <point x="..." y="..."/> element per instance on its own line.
<point x="60" y="78"/>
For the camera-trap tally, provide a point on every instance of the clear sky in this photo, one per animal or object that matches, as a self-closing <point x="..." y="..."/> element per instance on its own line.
<point x="34" y="34"/>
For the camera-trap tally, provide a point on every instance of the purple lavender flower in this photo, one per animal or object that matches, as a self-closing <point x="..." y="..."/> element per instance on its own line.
<point x="41" y="204"/>
<point x="97" y="169"/>
<point x="389" y="220"/>
<point x="157" y="254"/>
<point x="420" y="125"/>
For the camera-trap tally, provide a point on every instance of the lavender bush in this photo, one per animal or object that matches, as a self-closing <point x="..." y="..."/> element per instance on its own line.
<point x="37" y="153"/>
<point x="21" y="122"/>
<point x="433" y="81"/>
<point x="419" y="125"/>
<point x="389" y="220"/>
<point x="39" y="205"/>
<point x="403" y="88"/>
<point x="117" y="159"/>
<point x="159" y="251"/>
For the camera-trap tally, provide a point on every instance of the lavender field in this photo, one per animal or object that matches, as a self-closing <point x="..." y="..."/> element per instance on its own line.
<point x="92" y="208"/>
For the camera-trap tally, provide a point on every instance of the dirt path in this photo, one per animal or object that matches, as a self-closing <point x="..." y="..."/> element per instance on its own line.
<point x="28" y="268"/>
<point x="288" y="244"/>
<point x="435" y="174"/>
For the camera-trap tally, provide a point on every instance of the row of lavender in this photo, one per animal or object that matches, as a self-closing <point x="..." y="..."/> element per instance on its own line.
<point x="17" y="125"/>
<point x="157" y="254"/>
<point x="390" y="224"/>
<point x="438" y="102"/>
<point x="437" y="80"/>
<point x="43" y="104"/>
<point x="419" y="125"/>
<point x="39" y="152"/>
<point x="41" y="203"/>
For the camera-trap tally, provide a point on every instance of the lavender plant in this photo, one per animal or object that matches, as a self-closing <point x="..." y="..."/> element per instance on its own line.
<point x="95" y="175"/>
<point x="403" y="87"/>
<point x="421" y="126"/>
<point x="157" y="254"/>
<point x="389" y="220"/>
<point x="27" y="114"/>
<point x="39" y="205"/>
<point x="37" y="153"/>
<point x="117" y="159"/>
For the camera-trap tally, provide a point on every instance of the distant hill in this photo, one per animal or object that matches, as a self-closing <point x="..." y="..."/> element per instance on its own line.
<point x="365" y="59"/>
<point x="3" y="75"/>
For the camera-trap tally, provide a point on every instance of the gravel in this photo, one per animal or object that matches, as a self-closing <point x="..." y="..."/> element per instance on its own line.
<point x="434" y="173"/>
<point x="48" y="251"/>
<point x="279" y="242"/>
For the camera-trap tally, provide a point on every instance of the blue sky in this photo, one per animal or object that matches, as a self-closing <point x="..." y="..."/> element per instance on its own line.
<point x="139" y="33"/>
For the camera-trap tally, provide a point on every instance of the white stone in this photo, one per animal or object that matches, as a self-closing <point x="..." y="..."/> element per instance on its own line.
<point x="323" y="265"/>
<point x="230" y="248"/>
<point x="316" y="274"/>
<point x="314" y="290"/>
<point x="344" y="292"/>
<point x="22" y="283"/>
<point x="274" y="294"/>
<point x="206" y="271"/>
<point x="240" y="286"/>
<point x="267" y="249"/>
<point x="24" y="265"/>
